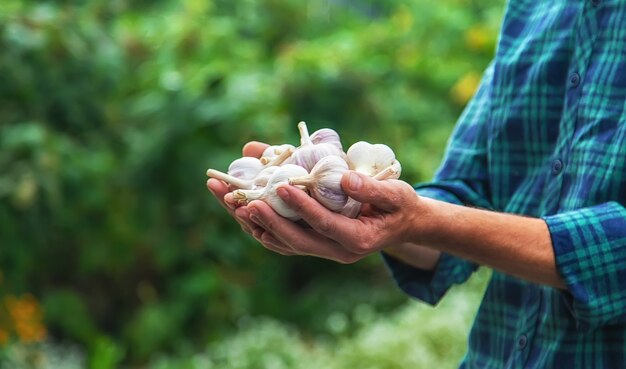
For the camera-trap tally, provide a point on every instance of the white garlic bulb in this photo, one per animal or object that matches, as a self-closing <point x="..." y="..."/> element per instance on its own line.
<point x="268" y="193"/>
<point x="272" y="152"/>
<point x="327" y="135"/>
<point x="245" y="168"/>
<point x="259" y="181"/>
<point x="324" y="182"/>
<point x="309" y="153"/>
<point x="369" y="159"/>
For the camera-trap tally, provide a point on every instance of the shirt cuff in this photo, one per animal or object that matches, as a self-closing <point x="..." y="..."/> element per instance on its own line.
<point x="590" y="250"/>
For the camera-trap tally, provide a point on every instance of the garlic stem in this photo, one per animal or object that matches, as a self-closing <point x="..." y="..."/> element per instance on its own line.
<point x="306" y="181"/>
<point x="237" y="182"/>
<point x="305" y="139"/>
<point x="245" y="196"/>
<point x="278" y="160"/>
<point x="392" y="171"/>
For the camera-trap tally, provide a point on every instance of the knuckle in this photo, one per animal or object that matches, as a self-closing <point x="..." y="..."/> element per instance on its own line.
<point x="326" y="226"/>
<point x="363" y="245"/>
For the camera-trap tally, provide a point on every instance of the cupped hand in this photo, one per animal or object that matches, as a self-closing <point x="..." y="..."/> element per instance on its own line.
<point x="389" y="217"/>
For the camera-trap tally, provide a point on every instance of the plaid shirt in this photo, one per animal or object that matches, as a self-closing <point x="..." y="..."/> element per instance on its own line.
<point x="545" y="136"/>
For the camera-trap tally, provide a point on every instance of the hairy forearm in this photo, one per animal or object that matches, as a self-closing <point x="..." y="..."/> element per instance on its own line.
<point x="414" y="255"/>
<point x="512" y="244"/>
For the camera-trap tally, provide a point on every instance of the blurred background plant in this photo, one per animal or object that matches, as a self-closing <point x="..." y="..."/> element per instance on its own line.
<point x="112" y="252"/>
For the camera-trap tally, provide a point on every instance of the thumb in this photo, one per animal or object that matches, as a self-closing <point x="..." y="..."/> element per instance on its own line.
<point x="366" y="189"/>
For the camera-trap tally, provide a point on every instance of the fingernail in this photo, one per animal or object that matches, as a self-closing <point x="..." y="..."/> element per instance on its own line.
<point x="355" y="182"/>
<point x="283" y="194"/>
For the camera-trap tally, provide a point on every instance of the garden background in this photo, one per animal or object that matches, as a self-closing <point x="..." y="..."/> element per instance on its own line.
<point x="112" y="252"/>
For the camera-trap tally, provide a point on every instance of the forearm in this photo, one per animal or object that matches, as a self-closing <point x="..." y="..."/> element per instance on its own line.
<point x="414" y="255"/>
<point x="515" y="245"/>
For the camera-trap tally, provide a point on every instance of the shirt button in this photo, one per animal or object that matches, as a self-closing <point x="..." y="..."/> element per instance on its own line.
<point x="522" y="342"/>
<point x="557" y="166"/>
<point x="574" y="80"/>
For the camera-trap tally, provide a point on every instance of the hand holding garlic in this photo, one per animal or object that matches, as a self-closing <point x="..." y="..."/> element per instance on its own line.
<point x="316" y="166"/>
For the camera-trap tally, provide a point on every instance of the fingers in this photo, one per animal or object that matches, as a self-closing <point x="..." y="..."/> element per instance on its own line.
<point x="242" y="215"/>
<point x="386" y="195"/>
<point x="254" y="149"/>
<point x="271" y="243"/>
<point x="301" y="241"/>
<point x="318" y="241"/>
<point x="219" y="189"/>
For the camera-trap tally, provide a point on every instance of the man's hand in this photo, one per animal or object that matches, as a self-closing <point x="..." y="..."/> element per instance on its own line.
<point x="220" y="190"/>
<point x="387" y="218"/>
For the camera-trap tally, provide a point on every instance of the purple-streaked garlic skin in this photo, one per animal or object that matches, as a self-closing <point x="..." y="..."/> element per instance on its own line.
<point x="268" y="193"/>
<point x="326" y="135"/>
<point x="324" y="182"/>
<point x="351" y="209"/>
<point x="307" y="156"/>
<point x="245" y="168"/>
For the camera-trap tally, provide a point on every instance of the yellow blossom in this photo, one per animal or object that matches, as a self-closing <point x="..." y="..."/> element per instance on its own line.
<point x="465" y="87"/>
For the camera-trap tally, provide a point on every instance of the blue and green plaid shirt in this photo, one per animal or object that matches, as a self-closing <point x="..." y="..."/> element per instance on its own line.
<point x="545" y="136"/>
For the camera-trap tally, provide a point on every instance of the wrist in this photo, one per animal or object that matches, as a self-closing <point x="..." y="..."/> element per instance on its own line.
<point x="428" y="222"/>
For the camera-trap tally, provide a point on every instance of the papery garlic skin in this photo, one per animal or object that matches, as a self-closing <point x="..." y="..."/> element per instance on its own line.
<point x="268" y="193"/>
<point x="247" y="184"/>
<point x="245" y="168"/>
<point x="273" y="151"/>
<point x="352" y="208"/>
<point x="309" y="153"/>
<point x="328" y="136"/>
<point x="369" y="159"/>
<point x="324" y="182"/>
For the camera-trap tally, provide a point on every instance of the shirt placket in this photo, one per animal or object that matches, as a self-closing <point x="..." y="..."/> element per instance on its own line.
<point x="586" y="30"/>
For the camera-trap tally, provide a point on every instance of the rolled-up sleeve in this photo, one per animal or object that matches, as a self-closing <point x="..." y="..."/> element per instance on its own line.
<point x="461" y="179"/>
<point x="590" y="251"/>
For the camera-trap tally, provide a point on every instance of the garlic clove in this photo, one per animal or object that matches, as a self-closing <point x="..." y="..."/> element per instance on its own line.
<point x="268" y="193"/>
<point x="324" y="182"/>
<point x="327" y="135"/>
<point x="245" y="168"/>
<point x="370" y="159"/>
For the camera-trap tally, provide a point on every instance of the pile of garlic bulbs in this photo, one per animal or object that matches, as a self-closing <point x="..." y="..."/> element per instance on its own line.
<point x="316" y="166"/>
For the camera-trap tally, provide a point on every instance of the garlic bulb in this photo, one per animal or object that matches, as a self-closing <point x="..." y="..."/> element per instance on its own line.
<point x="352" y="207"/>
<point x="326" y="135"/>
<point x="370" y="159"/>
<point x="391" y="172"/>
<point x="309" y="153"/>
<point x="244" y="168"/>
<point x="324" y="182"/>
<point x="259" y="181"/>
<point x="268" y="193"/>
<point x="272" y="152"/>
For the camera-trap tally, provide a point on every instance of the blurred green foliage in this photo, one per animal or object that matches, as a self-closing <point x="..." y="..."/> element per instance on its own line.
<point x="111" y="111"/>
